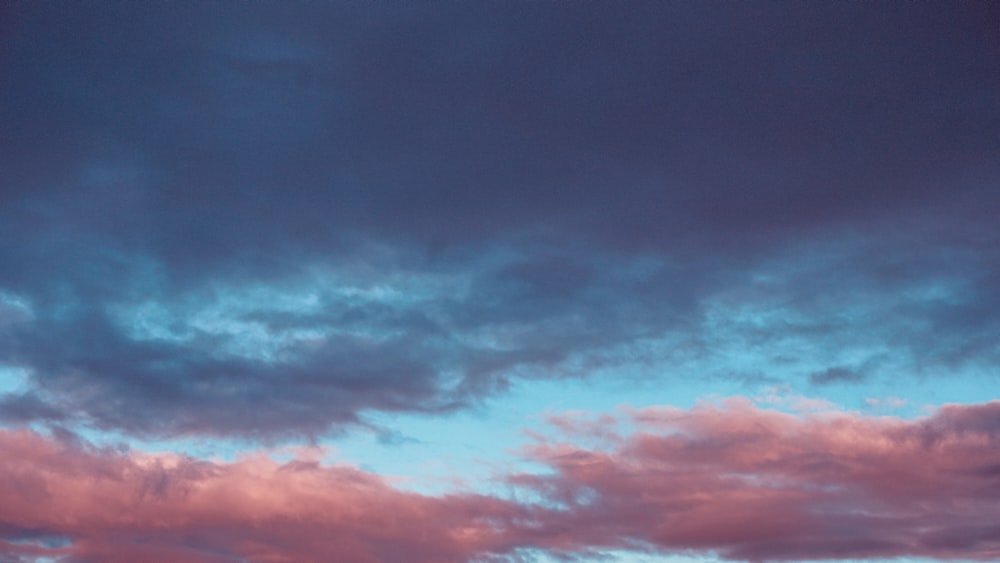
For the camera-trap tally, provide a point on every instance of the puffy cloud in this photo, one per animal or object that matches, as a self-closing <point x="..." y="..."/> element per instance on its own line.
<point x="75" y="503"/>
<point x="734" y="480"/>
<point x="757" y="485"/>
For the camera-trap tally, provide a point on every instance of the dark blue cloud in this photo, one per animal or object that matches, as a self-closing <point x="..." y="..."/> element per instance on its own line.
<point x="265" y="219"/>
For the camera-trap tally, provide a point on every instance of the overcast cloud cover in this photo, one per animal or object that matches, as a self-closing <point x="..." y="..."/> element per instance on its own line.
<point x="261" y="225"/>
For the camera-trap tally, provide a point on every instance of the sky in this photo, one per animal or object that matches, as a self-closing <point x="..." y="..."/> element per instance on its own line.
<point x="499" y="281"/>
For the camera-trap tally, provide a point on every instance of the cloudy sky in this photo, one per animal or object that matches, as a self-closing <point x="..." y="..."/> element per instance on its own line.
<point x="499" y="281"/>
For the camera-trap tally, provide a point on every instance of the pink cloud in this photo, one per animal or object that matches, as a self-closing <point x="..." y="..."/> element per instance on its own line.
<point x="742" y="482"/>
<point x="754" y="485"/>
<point x="131" y="507"/>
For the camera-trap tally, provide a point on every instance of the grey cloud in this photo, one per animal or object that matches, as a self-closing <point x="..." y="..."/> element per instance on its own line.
<point x="835" y="375"/>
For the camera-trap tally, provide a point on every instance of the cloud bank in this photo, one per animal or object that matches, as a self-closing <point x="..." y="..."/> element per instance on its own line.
<point x="730" y="479"/>
<point x="314" y="213"/>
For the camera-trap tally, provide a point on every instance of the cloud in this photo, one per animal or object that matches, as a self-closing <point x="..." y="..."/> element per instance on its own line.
<point x="756" y="485"/>
<point x="110" y="506"/>
<point x="729" y="479"/>
<point x="307" y="352"/>
<point x="265" y="222"/>
<point x="835" y="375"/>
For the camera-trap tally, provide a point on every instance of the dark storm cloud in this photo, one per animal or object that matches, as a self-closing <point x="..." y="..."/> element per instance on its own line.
<point x="265" y="125"/>
<point x="564" y="180"/>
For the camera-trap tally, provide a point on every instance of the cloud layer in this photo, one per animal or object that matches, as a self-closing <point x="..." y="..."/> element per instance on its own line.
<point x="314" y="213"/>
<point x="733" y="479"/>
<point x="756" y="485"/>
<point x="78" y="504"/>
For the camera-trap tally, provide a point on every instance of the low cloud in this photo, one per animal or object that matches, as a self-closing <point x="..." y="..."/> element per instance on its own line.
<point x="757" y="485"/>
<point x="160" y="508"/>
<point x="735" y="480"/>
